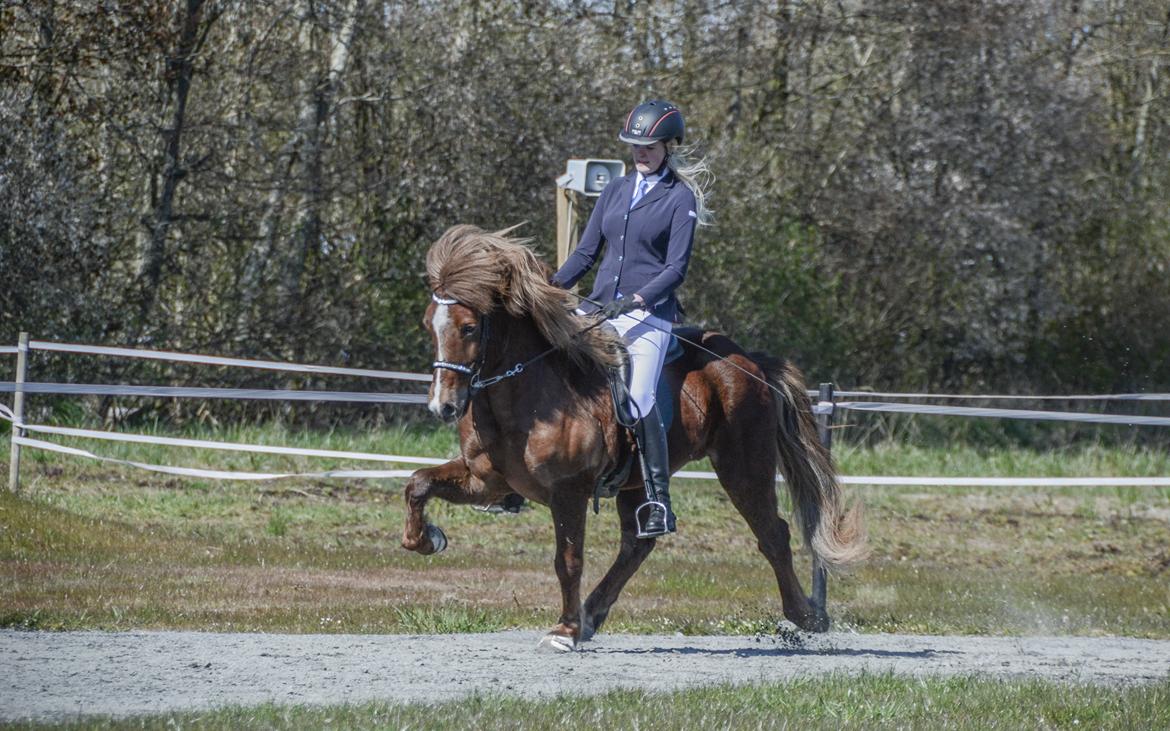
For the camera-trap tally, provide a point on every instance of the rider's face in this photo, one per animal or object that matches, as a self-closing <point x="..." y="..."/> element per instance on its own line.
<point x="648" y="158"/>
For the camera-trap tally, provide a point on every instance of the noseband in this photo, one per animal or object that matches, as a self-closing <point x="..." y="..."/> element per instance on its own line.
<point x="470" y="369"/>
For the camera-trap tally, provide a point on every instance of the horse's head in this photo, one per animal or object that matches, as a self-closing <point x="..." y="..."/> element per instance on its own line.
<point x="458" y="333"/>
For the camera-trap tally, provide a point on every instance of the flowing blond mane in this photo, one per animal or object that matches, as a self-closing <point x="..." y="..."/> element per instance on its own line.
<point x="484" y="269"/>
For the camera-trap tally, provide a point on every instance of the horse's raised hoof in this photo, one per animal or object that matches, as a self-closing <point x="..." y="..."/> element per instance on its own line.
<point x="436" y="537"/>
<point x="557" y="643"/>
<point x="432" y="540"/>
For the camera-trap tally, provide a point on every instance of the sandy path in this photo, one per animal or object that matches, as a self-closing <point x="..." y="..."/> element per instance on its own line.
<point x="53" y="676"/>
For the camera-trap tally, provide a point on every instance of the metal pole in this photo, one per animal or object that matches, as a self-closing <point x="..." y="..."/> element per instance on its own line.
<point x="820" y="587"/>
<point x="18" y="412"/>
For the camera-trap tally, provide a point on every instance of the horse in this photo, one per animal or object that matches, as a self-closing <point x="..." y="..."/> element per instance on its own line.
<point x="525" y="380"/>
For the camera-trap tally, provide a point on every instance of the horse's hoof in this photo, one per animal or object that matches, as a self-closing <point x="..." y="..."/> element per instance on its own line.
<point x="817" y="620"/>
<point x="437" y="538"/>
<point x="557" y="643"/>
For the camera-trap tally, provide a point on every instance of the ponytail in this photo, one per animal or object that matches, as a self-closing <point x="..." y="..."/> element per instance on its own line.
<point x="696" y="175"/>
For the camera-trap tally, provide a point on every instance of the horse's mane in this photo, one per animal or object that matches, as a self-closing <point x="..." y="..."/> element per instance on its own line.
<point x="484" y="269"/>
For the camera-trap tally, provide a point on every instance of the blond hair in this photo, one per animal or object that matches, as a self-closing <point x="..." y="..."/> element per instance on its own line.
<point x="695" y="174"/>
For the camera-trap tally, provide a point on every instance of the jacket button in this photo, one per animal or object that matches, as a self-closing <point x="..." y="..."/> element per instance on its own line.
<point x="615" y="279"/>
<point x="621" y="257"/>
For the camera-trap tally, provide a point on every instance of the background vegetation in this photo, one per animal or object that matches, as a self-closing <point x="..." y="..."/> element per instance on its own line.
<point x="941" y="194"/>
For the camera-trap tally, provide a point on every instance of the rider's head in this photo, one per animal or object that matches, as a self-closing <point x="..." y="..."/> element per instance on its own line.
<point x="653" y="129"/>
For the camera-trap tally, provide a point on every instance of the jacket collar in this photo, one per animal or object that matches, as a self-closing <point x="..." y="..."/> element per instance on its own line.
<point x="660" y="189"/>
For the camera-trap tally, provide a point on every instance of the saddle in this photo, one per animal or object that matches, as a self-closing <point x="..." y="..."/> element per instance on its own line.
<point x="626" y="412"/>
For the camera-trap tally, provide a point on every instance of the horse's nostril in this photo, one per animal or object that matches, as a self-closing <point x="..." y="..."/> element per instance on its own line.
<point x="447" y="411"/>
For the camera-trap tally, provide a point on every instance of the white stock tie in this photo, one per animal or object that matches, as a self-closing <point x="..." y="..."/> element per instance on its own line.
<point x="641" y="191"/>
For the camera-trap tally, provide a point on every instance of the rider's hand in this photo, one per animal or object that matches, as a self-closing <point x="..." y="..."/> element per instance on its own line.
<point x="620" y="306"/>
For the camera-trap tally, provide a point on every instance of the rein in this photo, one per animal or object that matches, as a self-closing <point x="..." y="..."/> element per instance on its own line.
<point x="675" y="335"/>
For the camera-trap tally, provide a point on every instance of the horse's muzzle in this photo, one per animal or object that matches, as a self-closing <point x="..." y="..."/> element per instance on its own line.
<point x="452" y="409"/>
<point x="449" y="412"/>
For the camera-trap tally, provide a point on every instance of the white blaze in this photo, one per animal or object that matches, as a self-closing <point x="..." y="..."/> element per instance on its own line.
<point x="439" y="322"/>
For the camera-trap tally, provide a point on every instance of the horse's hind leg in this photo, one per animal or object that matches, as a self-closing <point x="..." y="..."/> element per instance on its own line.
<point x="630" y="556"/>
<point x="747" y="471"/>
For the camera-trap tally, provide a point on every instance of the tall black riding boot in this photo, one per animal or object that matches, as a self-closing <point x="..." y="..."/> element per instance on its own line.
<point x="655" y="516"/>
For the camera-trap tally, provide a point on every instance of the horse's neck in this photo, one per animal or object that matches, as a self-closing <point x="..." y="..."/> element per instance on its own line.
<point x="512" y="340"/>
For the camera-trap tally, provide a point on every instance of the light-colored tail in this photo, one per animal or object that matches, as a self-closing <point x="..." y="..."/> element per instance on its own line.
<point x="835" y="533"/>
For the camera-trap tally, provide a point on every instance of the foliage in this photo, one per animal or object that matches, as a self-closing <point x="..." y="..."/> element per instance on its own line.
<point x="909" y="195"/>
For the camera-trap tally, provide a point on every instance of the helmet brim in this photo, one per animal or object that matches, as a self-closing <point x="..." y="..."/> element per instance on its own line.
<point x="639" y="141"/>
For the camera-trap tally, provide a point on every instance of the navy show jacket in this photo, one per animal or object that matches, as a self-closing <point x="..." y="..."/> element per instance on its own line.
<point x="647" y="247"/>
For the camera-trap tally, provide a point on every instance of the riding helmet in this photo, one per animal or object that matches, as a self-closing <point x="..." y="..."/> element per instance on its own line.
<point x="652" y="121"/>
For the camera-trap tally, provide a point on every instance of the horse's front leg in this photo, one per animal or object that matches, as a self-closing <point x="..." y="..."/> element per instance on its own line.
<point x="452" y="482"/>
<point x="568" y="513"/>
<point x="630" y="556"/>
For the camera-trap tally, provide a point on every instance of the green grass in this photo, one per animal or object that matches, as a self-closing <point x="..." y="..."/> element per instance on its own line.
<point x="834" y="702"/>
<point x="91" y="545"/>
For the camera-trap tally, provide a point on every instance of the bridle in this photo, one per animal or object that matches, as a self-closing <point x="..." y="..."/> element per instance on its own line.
<point x="473" y="368"/>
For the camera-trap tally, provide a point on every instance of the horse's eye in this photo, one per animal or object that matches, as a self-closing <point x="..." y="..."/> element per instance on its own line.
<point x="467" y="330"/>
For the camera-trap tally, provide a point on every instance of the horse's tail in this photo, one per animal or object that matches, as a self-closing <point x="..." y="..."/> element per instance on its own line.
<point x="835" y="534"/>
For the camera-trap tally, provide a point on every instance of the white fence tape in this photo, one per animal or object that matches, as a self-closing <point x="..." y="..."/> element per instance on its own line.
<point x="974" y="481"/>
<point x="266" y="394"/>
<point x="94" y="389"/>
<point x="1126" y="419"/>
<point x="1004" y="397"/>
<point x="219" y="360"/>
<point x="212" y="474"/>
<point x="685" y="474"/>
<point x="5" y="413"/>
<point x="227" y="446"/>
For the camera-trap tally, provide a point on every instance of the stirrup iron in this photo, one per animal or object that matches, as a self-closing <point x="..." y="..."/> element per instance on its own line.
<point x="650" y="505"/>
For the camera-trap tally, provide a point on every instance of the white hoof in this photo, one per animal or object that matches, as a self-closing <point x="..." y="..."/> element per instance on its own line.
<point x="557" y="643"/>
<point x="437" y="537"/>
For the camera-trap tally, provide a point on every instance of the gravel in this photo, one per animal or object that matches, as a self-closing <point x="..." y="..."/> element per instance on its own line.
<point x="57" y="676"/>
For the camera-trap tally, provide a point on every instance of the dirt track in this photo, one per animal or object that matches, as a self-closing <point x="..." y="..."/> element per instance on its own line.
<point x="52" y="676"/>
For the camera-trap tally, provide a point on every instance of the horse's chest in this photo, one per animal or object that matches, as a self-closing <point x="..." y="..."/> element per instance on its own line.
<point x="537" y="453"/>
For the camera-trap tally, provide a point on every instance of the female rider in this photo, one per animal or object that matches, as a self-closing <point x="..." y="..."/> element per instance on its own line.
<point x="647" y="221"/>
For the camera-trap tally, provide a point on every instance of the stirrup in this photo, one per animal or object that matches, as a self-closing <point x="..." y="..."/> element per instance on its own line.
<point x="665" y="519"/>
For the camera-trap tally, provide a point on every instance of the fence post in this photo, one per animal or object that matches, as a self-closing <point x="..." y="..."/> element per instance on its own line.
<point x="825" y="421"/>
<point x="820" y="583"/>
<point x="18" y="412"/>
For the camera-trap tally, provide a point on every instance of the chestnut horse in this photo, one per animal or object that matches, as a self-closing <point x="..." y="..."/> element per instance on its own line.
<point x="547" y="430"/>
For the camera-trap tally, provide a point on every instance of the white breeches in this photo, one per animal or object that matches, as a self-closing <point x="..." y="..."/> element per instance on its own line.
<point x="647" y="346"/>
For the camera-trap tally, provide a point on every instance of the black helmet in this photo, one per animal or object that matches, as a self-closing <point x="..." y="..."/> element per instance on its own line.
<point x="652" y="121"/>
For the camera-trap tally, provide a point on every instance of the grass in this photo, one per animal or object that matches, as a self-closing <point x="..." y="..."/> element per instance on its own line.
<point x="90" y="545"/>
<point x="834" y="702"/>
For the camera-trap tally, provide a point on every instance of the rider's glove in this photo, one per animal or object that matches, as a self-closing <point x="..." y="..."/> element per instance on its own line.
<point x="619" y="306"/>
